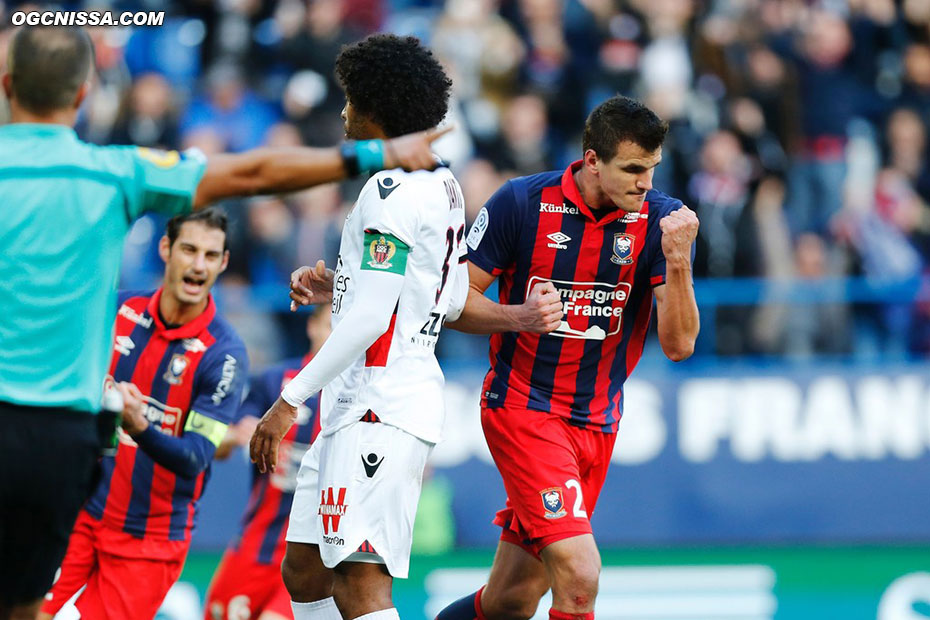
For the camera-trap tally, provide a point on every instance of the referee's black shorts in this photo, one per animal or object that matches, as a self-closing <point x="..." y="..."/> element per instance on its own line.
<point x="48" y="462"/>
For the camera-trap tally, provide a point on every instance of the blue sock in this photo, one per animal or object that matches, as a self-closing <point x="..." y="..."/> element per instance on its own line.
<point x="466" y="608"/>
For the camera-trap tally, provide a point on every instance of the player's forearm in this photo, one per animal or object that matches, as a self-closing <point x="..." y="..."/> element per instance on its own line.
<point x="185" y="456"/>
<point x="295" y="168"/>
<point x="268" y="170"/>
<point x="365" y="322"/>
<point x="678" y="318"/>
<point x="484" y="316"/>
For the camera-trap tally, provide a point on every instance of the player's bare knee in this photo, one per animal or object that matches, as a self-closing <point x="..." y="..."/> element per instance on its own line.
<point x="577" y="583"/>
<point x="575" y="577"/>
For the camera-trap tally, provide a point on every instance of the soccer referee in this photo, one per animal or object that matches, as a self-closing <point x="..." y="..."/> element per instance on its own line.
<point x="65" y="207"/>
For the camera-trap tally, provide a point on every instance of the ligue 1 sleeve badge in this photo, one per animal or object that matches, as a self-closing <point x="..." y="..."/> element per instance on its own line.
<point x="381" y="251"/>
<point x="552" y="502"/>
<point x="623" y="249"/>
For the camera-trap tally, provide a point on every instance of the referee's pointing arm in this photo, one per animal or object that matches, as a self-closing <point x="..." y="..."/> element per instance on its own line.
<point x="284" y="169"/>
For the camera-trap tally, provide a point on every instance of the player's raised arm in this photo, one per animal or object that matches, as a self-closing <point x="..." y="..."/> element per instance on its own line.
<point x="285" y="169"/>
<point x="677" y="318"/>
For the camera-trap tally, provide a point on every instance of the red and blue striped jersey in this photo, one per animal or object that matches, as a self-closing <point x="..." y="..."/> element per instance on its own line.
<point x="538" y="229"/>
<point x="197" y="367"/>
<point x="264" y="523"/>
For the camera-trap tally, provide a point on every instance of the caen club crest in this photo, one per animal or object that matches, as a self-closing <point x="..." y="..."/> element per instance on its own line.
<point x="552" y="502"/>
<point x="176" y="368"/>
<point x="623" y="249"/>
<point x="381" y="251"/>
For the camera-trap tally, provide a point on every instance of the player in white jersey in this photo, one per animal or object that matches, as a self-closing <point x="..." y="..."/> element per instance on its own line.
<point x="400" y="274"/>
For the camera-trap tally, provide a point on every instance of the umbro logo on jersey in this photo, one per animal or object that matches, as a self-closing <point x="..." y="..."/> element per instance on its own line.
<point x="559" y="239"/>
<point x="386" y="186"/>
<point x="371" y="463"/>
<point x="124" y="345"/>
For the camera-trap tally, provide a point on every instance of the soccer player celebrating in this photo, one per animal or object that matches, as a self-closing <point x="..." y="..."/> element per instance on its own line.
<point x="247" y="584"/>
<point x="601" y="243"/>
<point x="74" y="203"/>
<point x="180" y="368"/>
<point x="399" y="275"/>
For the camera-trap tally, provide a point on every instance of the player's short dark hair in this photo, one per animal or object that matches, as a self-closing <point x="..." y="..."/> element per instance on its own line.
<point x="48" y="65"/>
<point x="621" y="119"/>
<point x="211" y="217"/>
<point x="395" y="81"/>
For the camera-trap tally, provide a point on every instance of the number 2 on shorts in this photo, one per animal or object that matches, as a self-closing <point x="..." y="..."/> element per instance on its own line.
<point x="577" y="510"/>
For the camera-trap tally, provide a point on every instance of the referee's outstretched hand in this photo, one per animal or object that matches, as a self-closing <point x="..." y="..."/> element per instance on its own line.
<point x="263" y="448"/>
<point x="412" y="152"/>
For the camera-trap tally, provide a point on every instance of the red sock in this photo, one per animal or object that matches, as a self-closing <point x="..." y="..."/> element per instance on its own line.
<point x="554" y="614"/>
<point x="479" y="614"/>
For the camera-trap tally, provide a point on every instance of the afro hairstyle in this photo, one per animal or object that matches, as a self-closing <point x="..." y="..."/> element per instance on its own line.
<point x="394" y="81"/>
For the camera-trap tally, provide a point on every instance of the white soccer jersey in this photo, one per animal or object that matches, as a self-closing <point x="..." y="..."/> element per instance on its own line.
<point x="398" y="377"/>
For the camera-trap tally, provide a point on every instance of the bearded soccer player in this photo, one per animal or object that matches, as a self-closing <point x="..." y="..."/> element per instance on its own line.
<point x="597" y="243"/>
<point x="180" y="368"/>
<point x="400" y="273"/>
<point x="247" y="584"/>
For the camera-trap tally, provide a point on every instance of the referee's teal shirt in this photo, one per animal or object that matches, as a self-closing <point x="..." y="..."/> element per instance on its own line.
<point x="65" y="207"/>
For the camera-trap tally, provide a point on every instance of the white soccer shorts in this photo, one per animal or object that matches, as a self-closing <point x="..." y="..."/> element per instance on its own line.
<point x="357" y="494"/>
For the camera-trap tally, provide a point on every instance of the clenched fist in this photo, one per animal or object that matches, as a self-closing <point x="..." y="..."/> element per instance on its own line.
<point x="542" y="311"/>
<point x="679" y="230"/>
<point x="134" y="421"/>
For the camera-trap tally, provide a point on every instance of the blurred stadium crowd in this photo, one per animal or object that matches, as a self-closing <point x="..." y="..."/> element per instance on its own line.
<point x="798" y="134"/>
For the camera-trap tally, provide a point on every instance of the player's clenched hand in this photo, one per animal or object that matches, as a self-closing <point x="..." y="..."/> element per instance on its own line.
<point x="133" y="420"/>
<point x="311" y="285"/>
<point x="263" y="449"/>
<point x="679" y="229"/>
<point x="542" y="310"/>
<point x="412" y="152"/>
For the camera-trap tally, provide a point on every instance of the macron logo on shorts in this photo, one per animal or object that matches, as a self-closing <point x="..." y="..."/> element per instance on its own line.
<point x="371" y="463"/>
